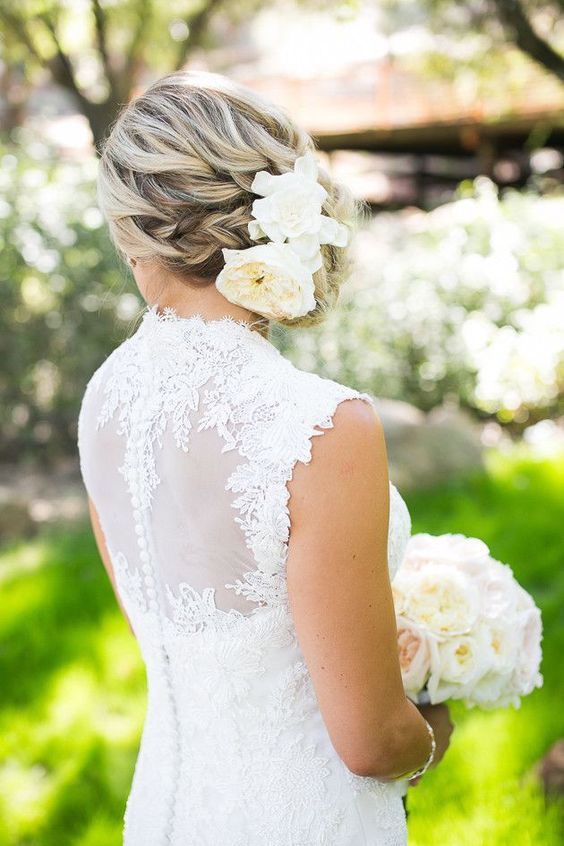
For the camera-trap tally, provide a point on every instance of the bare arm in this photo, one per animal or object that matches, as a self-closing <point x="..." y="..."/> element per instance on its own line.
<point x="103" y="550"/>
<point x="341" y="597"/>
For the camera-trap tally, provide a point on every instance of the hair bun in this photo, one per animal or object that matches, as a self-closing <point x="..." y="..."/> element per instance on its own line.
<point x="176" y="170"/>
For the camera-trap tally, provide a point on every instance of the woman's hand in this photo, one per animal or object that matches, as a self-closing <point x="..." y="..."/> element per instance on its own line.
<point x="438" y="717"/>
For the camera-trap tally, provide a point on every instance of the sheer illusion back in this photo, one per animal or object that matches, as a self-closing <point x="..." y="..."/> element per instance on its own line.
<point x="188" y="436"/>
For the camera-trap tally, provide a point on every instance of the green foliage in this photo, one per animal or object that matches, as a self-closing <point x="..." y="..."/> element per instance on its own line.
<point x="72" y="700"/>
<point x="63" y="304"/>
<point x="98" y="51"/>
<point x="477" y="44"/>
<point x="461" y="302"/>
<point x="489" y="795"/>
<point x="72" y="697"/>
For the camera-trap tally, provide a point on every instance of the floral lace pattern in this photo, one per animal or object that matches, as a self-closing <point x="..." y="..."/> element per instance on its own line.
<point x="234" y="749"/>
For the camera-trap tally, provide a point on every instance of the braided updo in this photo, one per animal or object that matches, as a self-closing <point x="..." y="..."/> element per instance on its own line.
<point x="175" y="175"/>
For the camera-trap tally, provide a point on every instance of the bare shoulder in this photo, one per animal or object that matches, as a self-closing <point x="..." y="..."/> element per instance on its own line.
<point x="348" y="465"/>
<point x="354" y="419"/>
<point x="356" y="436"/>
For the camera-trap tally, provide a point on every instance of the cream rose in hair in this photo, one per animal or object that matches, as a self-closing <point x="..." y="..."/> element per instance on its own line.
<point x="268" y="279"/>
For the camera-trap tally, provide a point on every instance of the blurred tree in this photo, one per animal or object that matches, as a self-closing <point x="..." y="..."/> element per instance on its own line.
<point x="96" y="49"/>
<point x="531" y="25"/>
<point x="520" y="29"/>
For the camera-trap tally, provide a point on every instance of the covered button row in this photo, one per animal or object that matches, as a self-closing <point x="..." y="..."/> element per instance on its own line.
<point x="148" y="576"/>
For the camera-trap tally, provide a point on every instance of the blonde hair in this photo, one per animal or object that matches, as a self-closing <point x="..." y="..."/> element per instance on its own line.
<point x="175" y="175"/>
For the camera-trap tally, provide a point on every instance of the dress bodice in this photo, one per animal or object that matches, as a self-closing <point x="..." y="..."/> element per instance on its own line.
<point x="188" y="436"/>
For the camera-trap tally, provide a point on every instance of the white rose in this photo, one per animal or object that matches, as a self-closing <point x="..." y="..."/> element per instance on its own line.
<point x="290" y="208"/>
<point x="414" y="655"/>
<point x="523" y="600"/>
<point x="514" y="655"/>
<point x="438" y="598"/>
<point x="498" y="590"/>
<point x="493" y="690"/>
<point x="527" y="676"/>
<point x="398" y="595"/>
<point x="268" y="279"/>
<point x="290" y="212"/>
<point x="469" y="554"/>
<point x="457" y="663"/>
<point x="501" y="640"/>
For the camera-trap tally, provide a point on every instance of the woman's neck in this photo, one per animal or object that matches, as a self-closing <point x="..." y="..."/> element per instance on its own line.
<point x="187" y="296"/>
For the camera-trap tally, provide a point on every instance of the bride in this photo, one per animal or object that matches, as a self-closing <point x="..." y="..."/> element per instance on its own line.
<point x="241" y="507"/>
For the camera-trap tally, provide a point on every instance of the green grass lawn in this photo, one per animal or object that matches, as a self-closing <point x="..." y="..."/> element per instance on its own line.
<point x="72" y="685"/>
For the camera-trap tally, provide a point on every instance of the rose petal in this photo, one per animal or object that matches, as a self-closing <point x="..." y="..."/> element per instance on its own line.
<point x="306" y="246"/>
<point x="306" y="166"/>
<point x="273" y="231"/>
<point x="255" y="230"/>
<point x="264" y="183"/>
<point x="313" y="264"/>
<point x="333" y="232"/>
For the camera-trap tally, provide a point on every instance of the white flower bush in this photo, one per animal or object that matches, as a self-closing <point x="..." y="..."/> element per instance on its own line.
<point x="466" y="628"/>
<point x="464" y="301"/>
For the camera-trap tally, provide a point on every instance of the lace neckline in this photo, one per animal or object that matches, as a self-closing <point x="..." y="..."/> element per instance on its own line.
<point x="169" y="313"/>
<point x="216" y="330"/>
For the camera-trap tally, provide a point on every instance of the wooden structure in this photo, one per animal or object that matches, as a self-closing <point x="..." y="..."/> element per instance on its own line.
<point x="442" y="134"/>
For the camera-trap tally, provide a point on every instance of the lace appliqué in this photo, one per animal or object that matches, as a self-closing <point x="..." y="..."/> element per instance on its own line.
<point x="129" y="582"/>
<point x="229" y="752"/>
<point x="273" y="769"/>
<point x="386" y="796"/>
<point x="192" y="611"/>
<point x="171" y="368"/>
<point x="399" y="530"/>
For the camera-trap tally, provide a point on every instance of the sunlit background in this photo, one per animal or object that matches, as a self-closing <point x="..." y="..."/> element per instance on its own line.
<point x="447" y="118"/>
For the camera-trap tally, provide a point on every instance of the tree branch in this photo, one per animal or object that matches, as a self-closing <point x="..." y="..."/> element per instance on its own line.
<point x="521" y="31"/>
<point x="102" y="40"/>
<point x="133" y="60"/>
<point x="61" y="66"/>
<point x="19" y="29"/>
<point x="197" y="25"/>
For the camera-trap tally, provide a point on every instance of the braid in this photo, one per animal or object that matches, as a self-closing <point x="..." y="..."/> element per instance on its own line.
<point x="176" y="172"/>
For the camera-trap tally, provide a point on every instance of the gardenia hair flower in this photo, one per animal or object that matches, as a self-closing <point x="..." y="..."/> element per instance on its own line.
<point x="275" y="279"/>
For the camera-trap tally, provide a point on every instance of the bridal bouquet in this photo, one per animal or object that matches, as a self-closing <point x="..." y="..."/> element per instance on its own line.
<point x="466" y="628"/>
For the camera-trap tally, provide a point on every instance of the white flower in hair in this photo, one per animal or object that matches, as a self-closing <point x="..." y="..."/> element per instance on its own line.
<point x="268" y="279"/>
<point x="291" y="209"/>
<point x="275" y="279"/>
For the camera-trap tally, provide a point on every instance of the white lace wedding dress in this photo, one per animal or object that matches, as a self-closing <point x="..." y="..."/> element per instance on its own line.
<point x="188" y="434"/>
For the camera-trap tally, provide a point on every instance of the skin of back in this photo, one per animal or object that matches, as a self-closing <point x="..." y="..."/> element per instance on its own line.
<point x="341" y="598"/>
